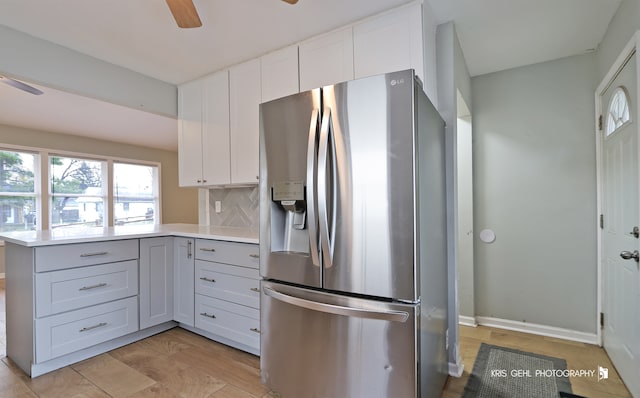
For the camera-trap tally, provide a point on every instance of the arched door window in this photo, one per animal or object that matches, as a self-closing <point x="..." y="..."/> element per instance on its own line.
<point x="618" y="113"/>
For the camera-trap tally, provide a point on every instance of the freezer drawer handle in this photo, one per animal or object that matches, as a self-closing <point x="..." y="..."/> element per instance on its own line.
<point x="207" y="279"/>
<point x="208" y="315"/>
<point x="395" y="316"/>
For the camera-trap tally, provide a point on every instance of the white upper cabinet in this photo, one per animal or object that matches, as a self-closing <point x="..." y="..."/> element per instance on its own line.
<point x="279" y="73"/>
<point x="244" y="100"/>
<point x="326" y="59"/>
<point x="215" y="133"/>
<point x="389" y="42"/>
<point x="203" y="131"/>
<point x="190" y="134"/>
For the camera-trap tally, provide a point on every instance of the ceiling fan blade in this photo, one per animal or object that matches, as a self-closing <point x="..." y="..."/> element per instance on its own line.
<point x="185" y="14"/>
<point x="19" y="85"/>
<point x="290" y="1"/>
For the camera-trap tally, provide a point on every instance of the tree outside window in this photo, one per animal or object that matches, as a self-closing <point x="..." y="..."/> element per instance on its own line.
<point x="18" y="195"/>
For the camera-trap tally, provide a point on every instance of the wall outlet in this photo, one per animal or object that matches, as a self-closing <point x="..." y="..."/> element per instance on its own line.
<point x="218" y="206"/>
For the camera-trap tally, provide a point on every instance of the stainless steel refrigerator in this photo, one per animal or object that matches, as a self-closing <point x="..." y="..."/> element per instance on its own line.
<point x="353" y="241"/>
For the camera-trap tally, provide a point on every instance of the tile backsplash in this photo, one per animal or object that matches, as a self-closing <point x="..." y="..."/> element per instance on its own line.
<point x="240" y="207"/>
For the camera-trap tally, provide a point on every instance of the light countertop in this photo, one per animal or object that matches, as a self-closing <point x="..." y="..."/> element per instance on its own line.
<point x="61" y="236"/>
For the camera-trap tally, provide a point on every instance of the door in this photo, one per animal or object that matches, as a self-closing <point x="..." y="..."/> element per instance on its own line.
<point x="367" y="232"/>
<point x="190" y="133"/>
<point x="156" y="281"/>
<point x="621" y="275"/>
<point x="288" y="220"/>
<point x="323" y="345"/>
<point x="183" y="280"/>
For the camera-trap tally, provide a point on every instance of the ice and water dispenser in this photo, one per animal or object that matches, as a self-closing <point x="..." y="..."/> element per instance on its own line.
<point x="289" y="232"/>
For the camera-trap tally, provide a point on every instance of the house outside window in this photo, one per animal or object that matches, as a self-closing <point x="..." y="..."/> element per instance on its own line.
<point x="135" y="194"/>
<point x="77" y="193"/>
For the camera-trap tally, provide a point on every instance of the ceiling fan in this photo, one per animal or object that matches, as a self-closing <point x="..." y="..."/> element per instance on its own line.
<point x="20" y="85"/>
<point x="186" y="15"/>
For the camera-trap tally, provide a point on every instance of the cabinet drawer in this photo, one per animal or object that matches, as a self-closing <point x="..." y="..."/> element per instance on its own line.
<point x="70" y="289"/>
<point x="62" y="334"/>
<point x="228" y="282"/>
<point x="244" y="254"/>
<point x="232" y="321"/>
<point x="52" y="258"/>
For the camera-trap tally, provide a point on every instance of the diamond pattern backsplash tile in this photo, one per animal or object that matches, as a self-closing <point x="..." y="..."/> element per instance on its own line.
<point x="240" y="207"/>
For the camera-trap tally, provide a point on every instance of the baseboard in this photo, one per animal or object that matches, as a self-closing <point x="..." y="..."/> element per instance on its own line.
<point x="456" y="369"/>
<point x="467" y="320"/>
<point x="542" y="330"/>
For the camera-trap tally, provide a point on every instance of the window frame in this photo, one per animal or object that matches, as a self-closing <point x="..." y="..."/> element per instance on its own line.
<point x="42" y="181"/>
<point x="37" y="181"/>
<point x="614" y="95"/>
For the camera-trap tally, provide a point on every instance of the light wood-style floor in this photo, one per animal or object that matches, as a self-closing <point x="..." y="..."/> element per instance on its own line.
<point x="178" y="363"/>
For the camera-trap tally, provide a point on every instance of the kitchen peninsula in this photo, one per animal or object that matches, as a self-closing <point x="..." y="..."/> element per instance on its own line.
<point x="71" y="295"/>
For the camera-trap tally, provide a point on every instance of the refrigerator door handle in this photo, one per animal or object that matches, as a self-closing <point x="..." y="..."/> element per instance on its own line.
<point x="323" y="158"/>
<point x="312" y="165"/>
<point x="391" y="316"/>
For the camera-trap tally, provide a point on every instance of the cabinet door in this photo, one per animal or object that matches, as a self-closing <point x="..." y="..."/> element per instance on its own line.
<point x="279" y="73"/>
<point x="183" y="280"/>
<point x="245" y="97"/>
<point x="326" y="59"/>
<point x="156" y="281"/>
<point x="215" y="132"/>
<point x="389" y="43"/>
<point x="190" y="134"/>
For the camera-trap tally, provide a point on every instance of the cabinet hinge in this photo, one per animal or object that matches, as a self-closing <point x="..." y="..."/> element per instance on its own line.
<point x="601" y="319"/>
<point x="601" y="221"/>
<point x="600" y="123"/>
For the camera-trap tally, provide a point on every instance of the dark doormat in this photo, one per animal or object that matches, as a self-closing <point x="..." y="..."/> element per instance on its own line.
<point x="501" y="372"/>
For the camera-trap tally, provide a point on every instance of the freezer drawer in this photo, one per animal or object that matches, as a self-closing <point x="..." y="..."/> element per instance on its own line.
<point x="316" y="344"/>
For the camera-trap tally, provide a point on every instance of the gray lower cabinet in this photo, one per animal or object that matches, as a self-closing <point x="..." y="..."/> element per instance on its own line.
<point x="156" y="281"/>
<point x="227" y="293"/>
<point x="183" y="280"/>
<point x="68" y="302"/>
<point x="69" y="298"/>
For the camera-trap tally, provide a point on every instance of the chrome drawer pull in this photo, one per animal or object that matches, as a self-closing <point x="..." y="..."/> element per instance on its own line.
<point x="92" y="286"/>
<point x="256" y="330"/>
<point x="207" y="315"/>
<point x="204" y="249"/>
<point x="255" y="289"/>
<point x="207" y="279"/>
<point x="101" y="324"/>
<point x="94" y="254"/>
<point x="254" y="255"/>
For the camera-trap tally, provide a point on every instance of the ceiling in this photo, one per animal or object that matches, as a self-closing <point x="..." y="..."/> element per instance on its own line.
<point x="141" y="35"/>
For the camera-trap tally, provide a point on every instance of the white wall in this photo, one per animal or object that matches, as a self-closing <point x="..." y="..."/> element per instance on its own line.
<point x="535" y="186"/>
<point x="622" y="27"/>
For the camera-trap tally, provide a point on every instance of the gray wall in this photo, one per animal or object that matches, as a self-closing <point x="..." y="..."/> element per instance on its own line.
<point x="43" y="62"/>
<point x="452" y="76"/>
<point x="535" y="186"/>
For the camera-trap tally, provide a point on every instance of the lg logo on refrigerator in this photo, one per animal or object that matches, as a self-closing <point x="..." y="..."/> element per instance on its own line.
<point x="397" y="81"/>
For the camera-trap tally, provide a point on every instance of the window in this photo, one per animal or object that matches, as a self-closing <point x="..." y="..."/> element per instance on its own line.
<point x="618" y="113"/>
<point x="135" y="194"/>
<point x="77" y="193"/>
<point x="19" y="199"/>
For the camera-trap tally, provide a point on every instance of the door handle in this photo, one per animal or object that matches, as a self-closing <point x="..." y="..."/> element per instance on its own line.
<point x="365" y="313"/>
<point x="627" y="255"/>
